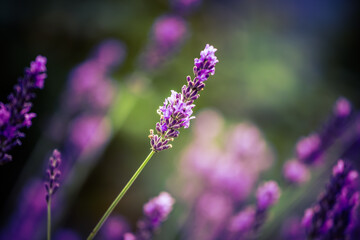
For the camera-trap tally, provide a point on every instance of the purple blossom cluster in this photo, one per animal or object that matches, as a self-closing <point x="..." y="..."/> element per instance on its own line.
<point x="177" y="109"/>
<point x="156" y="211"/>
<point x="245" y="224"/>
<point x="334" y="213"/>
<point x="167" y="35"/>
<point x="29" y="215"/>
<point x="218" y="171"/>
<point x="114" y="228"/>
<point x="89" y="84"/>
<point x="53" y="174"/>
<point x="310" y="150"/>
<point x="16" y="115"/>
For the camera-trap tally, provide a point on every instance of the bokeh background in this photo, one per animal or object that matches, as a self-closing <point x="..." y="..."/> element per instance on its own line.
<point x="282" y="66"/>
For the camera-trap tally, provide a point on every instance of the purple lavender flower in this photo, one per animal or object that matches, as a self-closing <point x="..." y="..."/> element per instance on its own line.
<point x="89" y="83"/>
<point x="114" y="228"/>
<point x="177" y="109"/>
<point x="89" y="133"/>
<point x="307" y="146"/>
<point x="292" y="229"/>
<point x="342" y="108"/>
<point x="242" y="223"/>
<point x="296" y="172"/>
<point x="245" y="224"/>
<point x="129" y="236"/>
<point x="311" y="149"/>
<point x="210" y="215"/>
<point x="267" y="195"/>
<point x="156" y="211"/>
<point x="158" y="208"/>
<point x="53" y="174"/>
<point x="16" y="115"/>
<point x="167" y="35"/>
<point x="335" y="201"/>
<point x="344" y="214"/>
<point x="169" y="31"/>
<point x="110" y="53"/>
<point x="29" y="214"/>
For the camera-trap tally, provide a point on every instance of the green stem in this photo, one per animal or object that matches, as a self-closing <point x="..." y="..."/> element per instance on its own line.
<point x="49" y="218"/>
<point x="119" y="197"/>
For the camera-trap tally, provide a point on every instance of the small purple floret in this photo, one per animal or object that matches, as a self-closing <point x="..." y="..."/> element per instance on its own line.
<point x="342" y="107"/>
<point x="243" y="221"/>
<point x="158" y="208"/>
<point x="156" y="211"/>
<point x="53" y="174"/>
<point x="307" y="146"/>
<point x="295" y="172"/>
<point x="267" y="195"/>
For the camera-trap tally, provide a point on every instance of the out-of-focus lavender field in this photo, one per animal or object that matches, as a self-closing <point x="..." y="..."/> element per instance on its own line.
<point x="272" y="122"/>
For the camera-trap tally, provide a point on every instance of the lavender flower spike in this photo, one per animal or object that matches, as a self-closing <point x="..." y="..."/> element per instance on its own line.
<point x="16" y="115"/>
<point x="267" y="195"/>
<point x="53" y="174"/>
<point x="156" y="212"/>
<point x="51" y="185"/>
<point x="332" y="215"/>
<point x="177" y="109"/>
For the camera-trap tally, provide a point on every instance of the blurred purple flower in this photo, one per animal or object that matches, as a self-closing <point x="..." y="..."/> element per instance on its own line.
<point x="158" y="208"/>
<point x="217" y="175"/>
<point x="16" y="115"/>
<point x="233" y="177"/>
<point x="169" y="31"/>
<point x="247" y="143"/>
<point x="177" y="109"/>
<point x="267" y="195"/>
<point x="292" y="229"/>
<point x="208" y="125"/>
<point x="156" y="211"/>
<point x="311" y="149"/>
<point x="28" y="218"/>
<point x="295" y="172"/>
<point x="308" y="146"/>
<point x="167" y="35"/>
<point x="209" y="216"/>
<point x="342" y="108"/>
<point x="242" y="222"/>
<point x="246" y="223"/>
<point x="53" y="174"/>
<point x="129" y="236"/>
<point x="344" y="216"/>
<point x="114" y="228"/>
<point x="89" y="84"/>
<point x="110" y="53"/>
<point x="319" y="219"/>
<point x="88" y="133"/>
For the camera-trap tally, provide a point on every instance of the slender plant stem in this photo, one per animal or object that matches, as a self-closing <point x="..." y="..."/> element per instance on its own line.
<point x="119" y="197"/>
<point x="49" y="218"/>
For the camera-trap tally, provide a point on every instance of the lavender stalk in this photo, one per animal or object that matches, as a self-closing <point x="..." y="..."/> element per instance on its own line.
<point x="174" y="114"/>
<point x="51" y="185"/>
